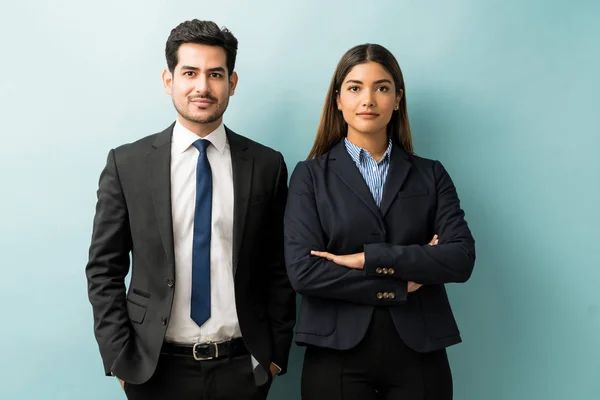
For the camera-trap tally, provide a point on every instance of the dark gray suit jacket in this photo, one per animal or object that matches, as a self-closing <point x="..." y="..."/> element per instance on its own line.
<point x="133" y="218"/>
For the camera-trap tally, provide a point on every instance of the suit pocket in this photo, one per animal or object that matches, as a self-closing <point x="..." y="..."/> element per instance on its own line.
<point x="317" y="317"/>
<point x="140" y="292"/>
<point x="412" y="193"/>
<point x="136" y="311"/>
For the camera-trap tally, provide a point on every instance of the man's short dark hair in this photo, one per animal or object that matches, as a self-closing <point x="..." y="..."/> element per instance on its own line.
<point x="200" y="32"/>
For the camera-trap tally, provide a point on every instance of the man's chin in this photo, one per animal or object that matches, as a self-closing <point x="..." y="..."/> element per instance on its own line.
<point x="202" y="119"/>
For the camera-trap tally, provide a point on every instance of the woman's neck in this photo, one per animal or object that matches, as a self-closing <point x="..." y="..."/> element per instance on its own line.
<point x="375" y="143"/>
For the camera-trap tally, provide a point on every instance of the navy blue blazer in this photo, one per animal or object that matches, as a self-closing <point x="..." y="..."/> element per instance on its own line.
<point x="330" y="208"/>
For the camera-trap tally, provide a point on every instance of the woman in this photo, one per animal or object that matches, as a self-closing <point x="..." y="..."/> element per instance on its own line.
<point x="360" y="215"/>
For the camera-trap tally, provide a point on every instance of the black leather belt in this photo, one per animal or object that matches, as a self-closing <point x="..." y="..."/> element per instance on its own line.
<point x="207" y="351"/>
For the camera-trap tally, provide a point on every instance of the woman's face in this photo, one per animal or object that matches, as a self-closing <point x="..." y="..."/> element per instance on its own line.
<point x="367" y="98"/>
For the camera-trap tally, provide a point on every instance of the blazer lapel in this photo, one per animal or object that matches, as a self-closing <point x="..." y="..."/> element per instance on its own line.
<point x="159" y="176"/>
<point x="242" y="165"/>
<point x="346" y="170"/>
<point x="399" y="168"/>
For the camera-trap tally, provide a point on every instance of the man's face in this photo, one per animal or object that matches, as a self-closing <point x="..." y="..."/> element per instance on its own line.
<point x="199" y="85"/>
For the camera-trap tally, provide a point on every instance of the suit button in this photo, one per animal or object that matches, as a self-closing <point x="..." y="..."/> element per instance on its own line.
<point x="386" y="295"/>
<point x="163" y="320"/>
<point x="170" y="282"/>
<point x="380" y="295"/>
<point x="379" y="270"/>
<point x="391" y="271"/>
<point x="392" y="295"/>
<point x="385" y="271"/>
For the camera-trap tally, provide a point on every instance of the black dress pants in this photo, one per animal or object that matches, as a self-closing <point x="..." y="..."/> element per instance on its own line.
<point x="381" y="367"/>
<point x="183" y="378"/>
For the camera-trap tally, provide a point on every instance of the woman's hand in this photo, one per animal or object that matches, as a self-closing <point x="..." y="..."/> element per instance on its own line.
<point x="355" y="261"/>
<point x="413" y="286"/>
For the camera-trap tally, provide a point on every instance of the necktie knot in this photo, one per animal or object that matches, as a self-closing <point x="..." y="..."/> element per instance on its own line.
<point x="201" y="145"/>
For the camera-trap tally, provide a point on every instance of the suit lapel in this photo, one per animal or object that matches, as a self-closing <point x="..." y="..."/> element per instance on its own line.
<point x="399" y="168"/>
<point x="242" y="166"/>
<point x="159" y="171"/>
<point x="348" y="172"/>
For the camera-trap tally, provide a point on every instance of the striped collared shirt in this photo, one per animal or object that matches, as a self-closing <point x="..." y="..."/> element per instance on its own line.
<point x="374" y="173"/>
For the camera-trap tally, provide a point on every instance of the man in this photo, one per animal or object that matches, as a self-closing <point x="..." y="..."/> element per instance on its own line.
<point x="209" y="312"/>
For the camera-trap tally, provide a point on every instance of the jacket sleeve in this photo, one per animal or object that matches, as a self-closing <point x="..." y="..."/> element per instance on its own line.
<point x="108" y="265"/>
<point x="282" y="299"/>
<point x="315" y="276"/>
<point x="452" y="260"/>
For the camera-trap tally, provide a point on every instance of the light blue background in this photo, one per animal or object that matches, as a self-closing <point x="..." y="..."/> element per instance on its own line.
<point x="504" y="93"/>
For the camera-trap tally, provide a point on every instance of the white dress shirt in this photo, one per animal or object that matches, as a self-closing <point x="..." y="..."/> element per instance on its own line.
<point x="223" y="323"/>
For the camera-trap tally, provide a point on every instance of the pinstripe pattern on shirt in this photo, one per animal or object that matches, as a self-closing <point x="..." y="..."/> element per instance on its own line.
<point x="374" y="173"/>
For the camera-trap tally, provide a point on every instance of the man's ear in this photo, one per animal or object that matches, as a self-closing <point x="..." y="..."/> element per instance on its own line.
<point x="167" y="78"/>
<point x="233" y="81"/>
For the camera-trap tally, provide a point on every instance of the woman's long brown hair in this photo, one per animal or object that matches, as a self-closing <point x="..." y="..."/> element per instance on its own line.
<point x="332" y="127"/>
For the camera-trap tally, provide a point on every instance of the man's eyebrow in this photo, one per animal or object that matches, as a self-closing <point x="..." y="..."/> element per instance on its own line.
<point x="189" y="68"/>
<point x="196" y="69"/>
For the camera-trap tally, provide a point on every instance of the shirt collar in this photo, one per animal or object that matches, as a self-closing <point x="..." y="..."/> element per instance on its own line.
<point x="183" y="138"/>
<point x="357" y="153"/>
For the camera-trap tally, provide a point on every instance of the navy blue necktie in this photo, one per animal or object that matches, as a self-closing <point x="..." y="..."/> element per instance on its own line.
<point x="200" y="304"/>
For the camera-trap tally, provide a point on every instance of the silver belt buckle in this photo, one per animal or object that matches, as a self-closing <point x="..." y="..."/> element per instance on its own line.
<point x="205" y="358"/>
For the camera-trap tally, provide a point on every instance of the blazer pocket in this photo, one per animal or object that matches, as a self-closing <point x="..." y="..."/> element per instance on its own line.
<point x="317" y="317"/>
<point x="412" y="193"/>
<point x="136" y="311"/>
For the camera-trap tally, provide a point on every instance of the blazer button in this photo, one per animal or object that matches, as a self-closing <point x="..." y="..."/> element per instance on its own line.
<point x="379" y="270"/>
<point x="170" y="282"/>
<point x="391" y="271"/>
<point x="163" y="320"/>
<point x="385" y="271"/>
<point x="386" y="295"/>
<point x="392" y="295"/>
<point x="380" y="295"/>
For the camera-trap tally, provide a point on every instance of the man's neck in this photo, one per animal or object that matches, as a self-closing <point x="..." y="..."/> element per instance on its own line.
<point x="202" y="130"/>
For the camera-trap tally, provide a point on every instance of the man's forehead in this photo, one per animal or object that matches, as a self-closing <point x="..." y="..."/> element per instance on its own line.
<point x="196" y="56"/>
<point x="201" y="50"/>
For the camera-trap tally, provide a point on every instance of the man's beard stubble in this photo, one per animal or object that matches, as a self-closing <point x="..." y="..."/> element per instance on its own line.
<point x="218" y="113"/>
